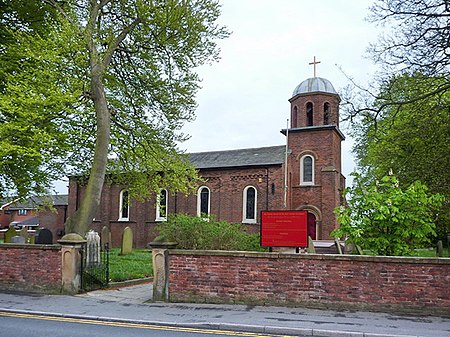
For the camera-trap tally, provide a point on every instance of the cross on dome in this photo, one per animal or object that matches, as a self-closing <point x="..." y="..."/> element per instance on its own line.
<point x="314" y="62"/>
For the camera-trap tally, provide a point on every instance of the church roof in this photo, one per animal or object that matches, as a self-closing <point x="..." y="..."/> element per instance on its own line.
<point x="314" y="84"/>
<point x="262" y="156"/>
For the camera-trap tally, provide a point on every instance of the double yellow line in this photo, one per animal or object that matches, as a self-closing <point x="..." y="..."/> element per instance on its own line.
<point x="134" y="325"/>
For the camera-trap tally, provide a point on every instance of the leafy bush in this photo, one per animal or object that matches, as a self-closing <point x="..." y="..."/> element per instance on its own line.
<point x="206" y="233"/>
<point x="387" y="220"/>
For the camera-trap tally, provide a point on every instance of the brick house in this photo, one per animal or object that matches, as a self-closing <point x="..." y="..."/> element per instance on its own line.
<point x="36" y="212"/>
<point x="241" y="183"/>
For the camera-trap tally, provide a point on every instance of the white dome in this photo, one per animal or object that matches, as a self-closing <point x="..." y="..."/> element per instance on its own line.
<point x="314" y="84"/>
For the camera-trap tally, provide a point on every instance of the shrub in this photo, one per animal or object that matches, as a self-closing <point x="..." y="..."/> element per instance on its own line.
<point x="206" y="233"/>
<point x="386" y="219"/>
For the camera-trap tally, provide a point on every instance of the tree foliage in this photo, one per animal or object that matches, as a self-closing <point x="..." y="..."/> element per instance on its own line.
<point x="414" y="39"/>
<point x="417" y="37"/>
<point x="386" y="219"/>
<point x="112" y="81"/>
<point x="401" y="122"/>
<point x="412" y="140"/>
<point x="32" y="144"/>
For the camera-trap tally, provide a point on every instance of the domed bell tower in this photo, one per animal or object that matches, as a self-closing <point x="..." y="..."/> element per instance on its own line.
<point x="314" y="178"/>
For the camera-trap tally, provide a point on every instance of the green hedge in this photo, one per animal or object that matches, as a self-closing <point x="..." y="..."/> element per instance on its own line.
<point x="206" y="233"/>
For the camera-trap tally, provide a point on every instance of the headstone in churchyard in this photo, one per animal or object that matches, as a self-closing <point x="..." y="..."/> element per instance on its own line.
<point x="310" y="249"/>
<point x="440" y="249"/>
<point x="9" y="234"/>
<point x="127" y="241"/>
<point x="93" y="248"/>
<point x="24" y="233"/>
<point x="106" y="236"/>
<point x="18" y="239"/>
<point x="44" y="237"/>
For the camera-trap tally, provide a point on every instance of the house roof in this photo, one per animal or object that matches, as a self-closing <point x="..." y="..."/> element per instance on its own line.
<point x="261" y="156"/>
<point x="34" y="221"/>
<point x="34" y="202"/>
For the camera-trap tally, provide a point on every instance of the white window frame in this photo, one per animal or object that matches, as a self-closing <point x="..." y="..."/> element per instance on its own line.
<point x="121" y="217"/>
<point x="158" y="206"/>
<point x="302" y="178"/>
<point x="244" y="205"/>
<point x="199" y="200"/>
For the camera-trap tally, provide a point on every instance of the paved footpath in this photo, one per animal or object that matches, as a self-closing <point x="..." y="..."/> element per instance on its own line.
<point x="132" y="304"/>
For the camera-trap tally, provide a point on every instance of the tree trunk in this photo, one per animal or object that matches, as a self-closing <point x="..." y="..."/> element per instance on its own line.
<point x="82" y="219"/>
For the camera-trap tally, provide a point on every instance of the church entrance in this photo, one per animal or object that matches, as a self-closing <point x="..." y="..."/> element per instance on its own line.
<point x="311" y="222"/>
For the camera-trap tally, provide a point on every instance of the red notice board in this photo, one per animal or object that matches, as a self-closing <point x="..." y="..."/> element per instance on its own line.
<point x="284" y="229"/>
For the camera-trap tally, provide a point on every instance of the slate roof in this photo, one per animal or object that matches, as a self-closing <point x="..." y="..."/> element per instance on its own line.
<point x="34" y="202"/>
<point x="34" y="221"/>
<point x="261" y="156"/>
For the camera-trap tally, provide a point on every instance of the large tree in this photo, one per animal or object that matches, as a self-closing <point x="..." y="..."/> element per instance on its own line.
<point x="414" y="39"/>
<point x="114" y="80"/>
<point x="412" y="140"/>
<point x="401" y="122"/>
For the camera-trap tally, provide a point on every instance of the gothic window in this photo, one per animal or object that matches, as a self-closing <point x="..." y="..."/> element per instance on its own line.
<point x="326" y="114"/>
<point x="309" y="114"/>
<point x="203" y="201"/>
<point x="307" y="170"/>
<point x="161" y="206"/>
<point x="124" y="205"/>
<point x="294" y="117"/>
<point x="249" y="204"/>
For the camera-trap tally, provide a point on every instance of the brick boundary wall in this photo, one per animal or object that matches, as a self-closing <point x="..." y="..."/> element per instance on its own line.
<point x="36" y="268"/>
<point x="400" y="284"/>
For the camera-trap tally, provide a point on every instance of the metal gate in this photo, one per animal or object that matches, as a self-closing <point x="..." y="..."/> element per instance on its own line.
<point x="95" y="274"/>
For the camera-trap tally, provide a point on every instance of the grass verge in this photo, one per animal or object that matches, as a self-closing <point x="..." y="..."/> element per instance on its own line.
<point x="136" y="265"/>
<point x="429" y="252"/>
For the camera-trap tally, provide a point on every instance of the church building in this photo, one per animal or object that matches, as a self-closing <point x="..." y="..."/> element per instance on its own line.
<point x="303" y="174"/>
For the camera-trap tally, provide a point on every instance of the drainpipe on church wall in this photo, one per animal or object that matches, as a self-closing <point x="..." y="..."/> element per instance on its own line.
<point x="267" y="189"/>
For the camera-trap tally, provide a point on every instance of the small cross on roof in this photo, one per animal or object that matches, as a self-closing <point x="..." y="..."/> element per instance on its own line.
<point x="314" y="62"/>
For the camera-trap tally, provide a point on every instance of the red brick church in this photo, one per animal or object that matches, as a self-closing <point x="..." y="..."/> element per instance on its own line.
<point x="239" y="184"/>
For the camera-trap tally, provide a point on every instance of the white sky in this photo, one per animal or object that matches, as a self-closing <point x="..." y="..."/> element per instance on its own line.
<point x="244" y="98"/>
<point x="243" y="102"/>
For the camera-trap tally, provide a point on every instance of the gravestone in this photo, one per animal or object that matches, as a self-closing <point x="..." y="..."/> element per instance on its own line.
<point x="106" y="236"/>
<point x="24" y="233"/>
<point x="127" y="241"/>
<point x="18" y="239"/>
<point x="93" y="248"/>
<point x="310" y="249"/>
<point x="9" y="234"/>
<point x="440" y="249"/>
<point x="44" y="237"/>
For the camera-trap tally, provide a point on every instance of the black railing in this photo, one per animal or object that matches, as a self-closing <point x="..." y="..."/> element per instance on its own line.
<point x="95" y="274"/>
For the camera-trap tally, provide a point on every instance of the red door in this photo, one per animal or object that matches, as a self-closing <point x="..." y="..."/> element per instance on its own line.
<point x="311" y="225"/>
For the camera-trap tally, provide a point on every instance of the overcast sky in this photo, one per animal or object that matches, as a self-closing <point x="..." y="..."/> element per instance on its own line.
<point x="243" y="101"/>
<point x="244" y="97"/>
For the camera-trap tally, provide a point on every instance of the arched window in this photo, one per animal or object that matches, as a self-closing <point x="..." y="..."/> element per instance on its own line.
<point x="161" y="206"/>
<point x="249" y="204"/>
<point x="294" y="117"/>
<point x="326" y="113"/>
<point x="124" y="205"/>
<point x="307" y="170"/>
<point x="309" y="114"/>
<point x="203" y="201"/>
